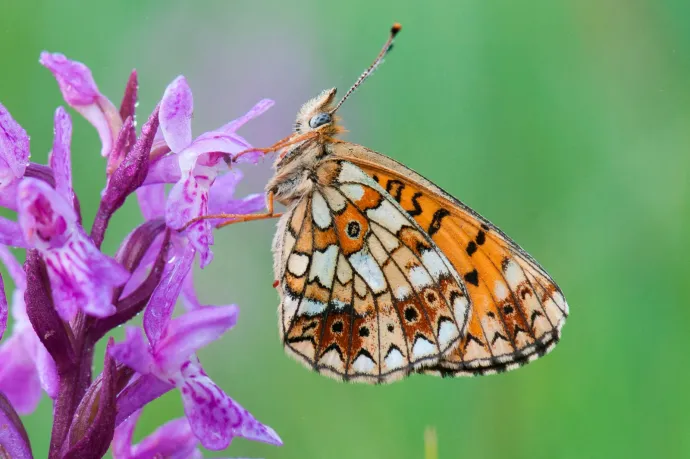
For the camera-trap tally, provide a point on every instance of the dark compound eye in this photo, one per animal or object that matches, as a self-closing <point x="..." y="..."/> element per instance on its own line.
<point x="319" y="120"/>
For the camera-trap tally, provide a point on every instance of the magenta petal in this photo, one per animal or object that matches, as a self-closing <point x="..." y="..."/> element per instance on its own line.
<point x="13" y="267"/>
<point x="152" y="201"/>
<point x="14" y="442"/>
<point x="141" y="391"/>
<point x="74" y="78"/>
<point x="46" y="218"/>
<point x="11" y="234"/>
<point x="14" y="149"/>
<point x="173" y="439"/>
<point x="134" y="351"/>
<point x="189" y="199"/>
<point x="262" y="106"/>
<point x="122" y="438"/>
<point x="189" y="298"/>
<point x="165" y="170"/>
<point x="162" y="302"/>
<point x="207" y="143"/>
<point x="47" y="370"/>
<point x="216" y="418"/>
<point x="3" y="308"/>
<point x="80" y="92"/>
<point x="192" y="331"/>
<point x="175" y="114"/>
<point x="18" y="377"/>
<point x="60" y="159"/>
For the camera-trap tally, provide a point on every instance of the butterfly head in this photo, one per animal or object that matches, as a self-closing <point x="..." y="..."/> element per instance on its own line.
<point x="317" y="115"/>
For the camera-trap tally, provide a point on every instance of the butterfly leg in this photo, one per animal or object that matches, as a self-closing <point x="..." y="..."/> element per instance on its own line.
<point x="237" y="218"/>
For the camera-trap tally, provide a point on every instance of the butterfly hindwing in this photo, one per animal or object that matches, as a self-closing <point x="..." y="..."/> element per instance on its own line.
<point x="517" y="309"/>
<point x="365" y="293"/>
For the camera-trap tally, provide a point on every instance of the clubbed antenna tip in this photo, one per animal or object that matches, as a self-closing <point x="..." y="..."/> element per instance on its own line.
<point x="378" y="61"/>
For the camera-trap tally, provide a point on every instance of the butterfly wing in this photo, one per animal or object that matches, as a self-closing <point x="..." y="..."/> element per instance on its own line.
<point x="517" y="308"/>
<point x="366" y="295"/>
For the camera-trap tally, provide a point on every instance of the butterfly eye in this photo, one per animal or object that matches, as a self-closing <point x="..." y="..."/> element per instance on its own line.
<point x="319" y="120"/>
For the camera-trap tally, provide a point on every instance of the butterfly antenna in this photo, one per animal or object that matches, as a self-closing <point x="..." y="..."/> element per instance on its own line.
<point x="378" y="61"/>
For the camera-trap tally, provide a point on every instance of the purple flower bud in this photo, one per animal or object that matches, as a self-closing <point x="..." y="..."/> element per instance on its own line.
<point x="42" y="314"/>
<point x="14" y="442"/>
<point x="128" y="176"/>
<point x="94" y="423"/>
<point x="81" y="93"/>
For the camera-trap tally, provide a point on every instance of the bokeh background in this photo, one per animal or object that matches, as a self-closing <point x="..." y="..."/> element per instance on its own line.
<point x="565" y="123"/>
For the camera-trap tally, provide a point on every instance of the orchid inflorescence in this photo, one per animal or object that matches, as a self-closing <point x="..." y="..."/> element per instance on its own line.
<point x="68" y="295"/>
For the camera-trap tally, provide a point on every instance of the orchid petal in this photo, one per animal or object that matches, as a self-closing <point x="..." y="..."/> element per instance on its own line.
<point x="13" y="267"/>
<point x="162" y="302"/>
<point x="172" y="440"/>
<point x="133" y="351"/>
<point x="81" y="276"/>
<point x="165" y="170"/>
<point x="47" y="370"/>
<point x="122" y="438"/>
<point x="142" y="390"/>
<point x="14" y="442"/>
<point x="18" y="377"/>
<point x="60" y="157"/>
<point x="14" y="149"/>
<point x="11" y="234"/>
<point x="177" y="107"/>
<point x="216" y="418"/>
<point x="208" y="143"/>
<point x="3" y="308"/>
<point x="189" y="199"/>
<point x="80" y="92"/>
<point x="192" y="331"/>
<point x="257" y="110"/>
<point x="151" y="201"/>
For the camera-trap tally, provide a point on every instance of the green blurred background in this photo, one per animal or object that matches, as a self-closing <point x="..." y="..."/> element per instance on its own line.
<point x="565" y="123"/>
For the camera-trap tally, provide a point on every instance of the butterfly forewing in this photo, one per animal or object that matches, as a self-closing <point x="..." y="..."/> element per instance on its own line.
<point x="517" y="309"/>
<point x="366" y="294"/>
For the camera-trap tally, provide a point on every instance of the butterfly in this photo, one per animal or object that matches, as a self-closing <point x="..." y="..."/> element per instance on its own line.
<point x="382" y="274"/>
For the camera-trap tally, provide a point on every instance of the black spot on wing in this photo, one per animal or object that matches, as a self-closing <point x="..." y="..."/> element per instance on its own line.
<point x="472" y="277"/>
<point x="435" y="224"/>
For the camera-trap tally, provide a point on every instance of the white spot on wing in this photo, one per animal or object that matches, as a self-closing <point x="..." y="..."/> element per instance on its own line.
<point x="335" y="200"/>
<point x="388" y="216"/>
<point x="403" y="291"/>
<point x="363" y="364"/>
<point x="434" y="264"/>
<point x="365" y="265"/>
<point x="513" y="273"/>
<point x="460" y="308"/>
<point x="311" y="307"/>
<point x="446" y="332"/>
<point x="323" y="265"/>
<point x="419" y="277"/>
<point x="289" y="308"/>
<point x="351" y="173"/>
<point x="297" y="264"/>
<point x="394" y="359"/>
<point x="353" y="191"/>
<point x="500" y="290"/>
<point x="322" y="216"/>
<point x="423" y="347"/>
